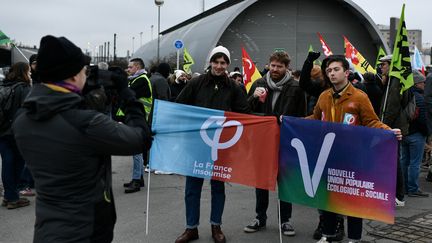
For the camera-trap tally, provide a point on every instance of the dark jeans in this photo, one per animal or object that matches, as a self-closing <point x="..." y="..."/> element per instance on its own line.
<point x="193" y="198"/>
<point x="262" y="202"/>
<point x="12" y="167"/>
<point x="26" y="179"/>
<point x="355" y="225"/>
<point x="411" y="157"/>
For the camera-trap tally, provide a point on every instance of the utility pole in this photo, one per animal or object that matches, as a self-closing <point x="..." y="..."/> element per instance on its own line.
<point x="108" y="51"/>
<point x="115" y="55"/>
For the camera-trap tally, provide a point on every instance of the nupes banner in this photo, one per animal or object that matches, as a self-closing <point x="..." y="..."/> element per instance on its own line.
<point x="214" y="144"/>
<point x="344" y="169"/>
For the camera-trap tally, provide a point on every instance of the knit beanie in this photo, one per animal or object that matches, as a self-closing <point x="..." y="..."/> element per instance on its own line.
<point x="220" y="49"/>
<point x="179" y="73"/>
<point x="418" y="76"/>
<point x="59" y="59"/>
<point x="32" y="58"/>
<point x="164" y="69"/>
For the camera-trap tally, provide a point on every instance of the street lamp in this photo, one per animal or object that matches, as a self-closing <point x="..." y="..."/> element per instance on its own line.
<point x="151" y="31"/>
<point x="158" y="4"/>
<point x="133" y="44"/>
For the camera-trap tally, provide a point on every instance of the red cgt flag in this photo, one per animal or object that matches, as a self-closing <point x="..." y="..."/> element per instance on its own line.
<point x="250" y="72"/>
<point x="325" y="47"/>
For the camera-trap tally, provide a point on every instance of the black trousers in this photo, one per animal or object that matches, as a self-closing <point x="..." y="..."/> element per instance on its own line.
<point x="105" y="219"/>
<point x="262" y="202"/>
<point x="400" y="187"/>
<point x="355" y="225"/>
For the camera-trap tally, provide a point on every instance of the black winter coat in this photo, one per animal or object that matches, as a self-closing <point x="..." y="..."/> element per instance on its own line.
<point x="291" y="101"/>
<point x="160" y="87"/>
<point x="215" y="92"/>
<point x="21" y="91"/>
<point x="391" y="112"/>
<point x="66" y="149"/>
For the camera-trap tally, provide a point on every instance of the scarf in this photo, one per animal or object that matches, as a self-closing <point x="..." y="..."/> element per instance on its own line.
<point x="138" y="73"/>
<point x="276" y="87"/>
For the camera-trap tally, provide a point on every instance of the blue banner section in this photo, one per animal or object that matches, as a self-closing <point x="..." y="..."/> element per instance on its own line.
<point x="178" y="146"/>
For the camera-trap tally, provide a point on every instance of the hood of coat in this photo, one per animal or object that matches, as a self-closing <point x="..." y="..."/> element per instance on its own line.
<point x="44" y="102"/>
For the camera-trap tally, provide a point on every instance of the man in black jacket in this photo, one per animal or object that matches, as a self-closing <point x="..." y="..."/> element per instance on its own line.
<point x="391" y="114"/>
<point x="213" y="90"/>
<point x="277" y="93"/>
<point x="140" y="83"/>
<point x="67" y="148"/>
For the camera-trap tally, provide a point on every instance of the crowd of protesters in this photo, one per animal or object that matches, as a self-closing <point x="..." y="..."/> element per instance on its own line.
<point x="51" y="98"/>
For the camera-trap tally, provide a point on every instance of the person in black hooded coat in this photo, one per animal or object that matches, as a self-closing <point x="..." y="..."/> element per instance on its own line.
<point x="67" y="147"/>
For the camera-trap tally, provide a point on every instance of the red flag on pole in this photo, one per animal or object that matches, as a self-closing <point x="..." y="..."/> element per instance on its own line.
<point x="250" y="72"/>
<point x="352" y="54"/>
<point x="325" y="47"/>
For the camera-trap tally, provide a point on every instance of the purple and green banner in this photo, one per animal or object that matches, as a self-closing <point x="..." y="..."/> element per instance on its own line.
<point x="350" y="170"/>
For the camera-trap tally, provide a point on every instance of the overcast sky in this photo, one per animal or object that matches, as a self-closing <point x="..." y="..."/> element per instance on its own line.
<point x="89" y="23"/>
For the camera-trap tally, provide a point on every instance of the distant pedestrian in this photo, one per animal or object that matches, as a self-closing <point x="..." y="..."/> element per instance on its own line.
<point x="180" y="81"/>
<point x="413" y="144"/>
<point x="18" y="80"/>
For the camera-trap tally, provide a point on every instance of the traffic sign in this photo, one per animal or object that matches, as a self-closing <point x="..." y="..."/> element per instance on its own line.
<point x="178" y="44"/>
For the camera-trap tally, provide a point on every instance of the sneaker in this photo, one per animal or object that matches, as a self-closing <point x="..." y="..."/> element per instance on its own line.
<point x="27" y="192"/>
<point x="318" y="231"/>
<point x="399" y="203"/>
<point x="133" y="187"/>
<point x="418" y="193"/>
<point x="323" y="240"/>
<point x="255" y="226"/>
<point x="22" y="202"/>
<point x="147" y="170"/>
<point x="287" y="229"/>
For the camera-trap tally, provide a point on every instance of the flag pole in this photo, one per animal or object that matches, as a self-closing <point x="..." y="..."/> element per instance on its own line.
<point x="279" y="220"/>
<point x="13" y="45"/>
<point x="385" y="98"/>
<point x="148" y="201"/>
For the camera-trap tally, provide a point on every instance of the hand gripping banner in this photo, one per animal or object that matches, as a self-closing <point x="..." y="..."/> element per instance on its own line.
<point x="214" y="144"/>
<point x="340" y="168"/>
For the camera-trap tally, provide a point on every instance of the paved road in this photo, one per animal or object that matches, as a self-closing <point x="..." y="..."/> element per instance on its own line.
<point x="166" y="214"/>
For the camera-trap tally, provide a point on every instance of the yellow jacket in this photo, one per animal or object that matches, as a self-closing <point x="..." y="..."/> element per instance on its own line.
<point x="352" y="108"/>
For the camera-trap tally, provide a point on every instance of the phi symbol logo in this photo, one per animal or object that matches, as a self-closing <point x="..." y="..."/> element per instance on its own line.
<point x="311" y="184"/>
<point x="214" y="143"/>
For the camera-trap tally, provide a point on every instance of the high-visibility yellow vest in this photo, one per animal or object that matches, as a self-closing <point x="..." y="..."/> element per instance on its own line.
<point x="146" y="101"/>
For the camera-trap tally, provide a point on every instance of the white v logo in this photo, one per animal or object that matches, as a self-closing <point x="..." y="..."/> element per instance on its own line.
<point x="311" y="184"/>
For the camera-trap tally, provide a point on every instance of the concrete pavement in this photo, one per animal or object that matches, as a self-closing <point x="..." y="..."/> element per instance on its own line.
<point x="167" y="215"/>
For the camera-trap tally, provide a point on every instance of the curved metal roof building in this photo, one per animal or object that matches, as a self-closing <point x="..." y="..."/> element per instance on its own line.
<point x="261" y="26"/>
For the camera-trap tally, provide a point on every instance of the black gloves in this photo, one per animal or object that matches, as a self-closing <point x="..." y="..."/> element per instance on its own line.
<point x="312" y="56"/>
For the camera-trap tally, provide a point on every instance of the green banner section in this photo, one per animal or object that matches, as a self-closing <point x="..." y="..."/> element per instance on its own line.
<point x="400" y="67"/>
